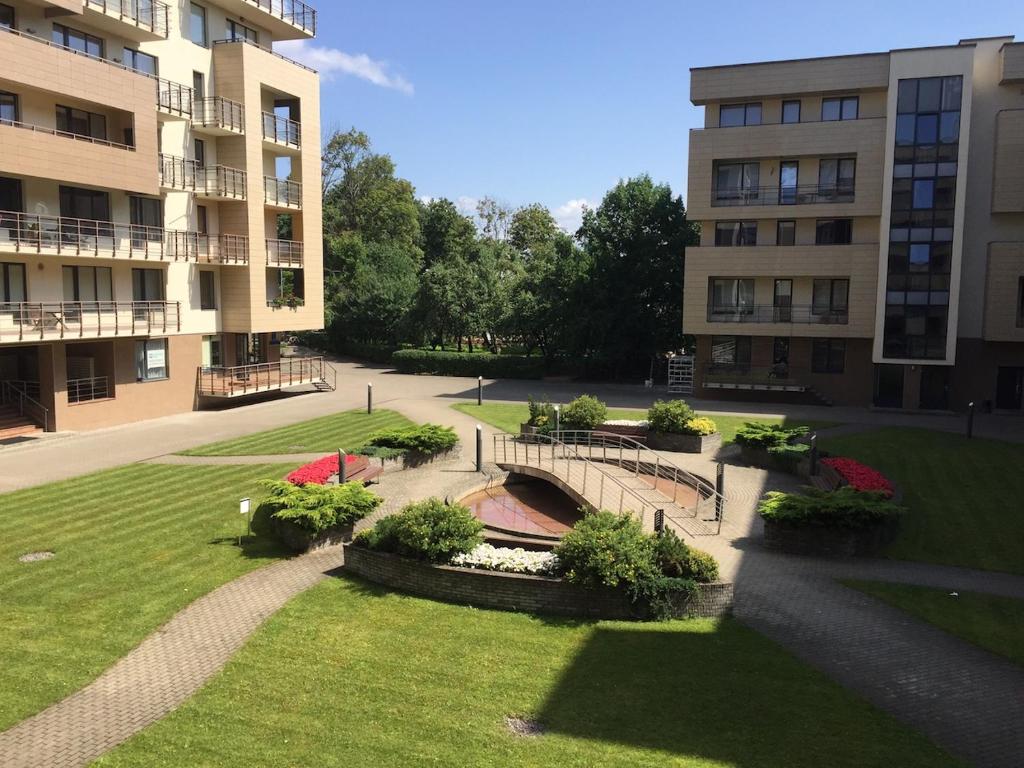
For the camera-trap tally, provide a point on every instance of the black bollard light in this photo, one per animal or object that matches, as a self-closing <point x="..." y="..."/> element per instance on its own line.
<point x="720" y="488"/>
<point x="814" y="454"/>
<point x="479" y="390"/>
<point x="479" y="448"/>
<point x="970" y="420"/>
<point x="659" y="521"/>
<point x="369" y="398"/>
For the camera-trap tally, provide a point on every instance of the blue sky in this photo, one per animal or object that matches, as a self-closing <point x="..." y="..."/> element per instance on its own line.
<point x="553" y="102"/>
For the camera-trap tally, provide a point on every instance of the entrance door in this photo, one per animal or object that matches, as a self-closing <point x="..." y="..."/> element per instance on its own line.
<point x="1010" y="389"/>
<point x="241" y="349"/>
<point x="889" y="386"/>
<point x="783" y="301"/>
<point x="788" y="182"/>
<point x="780" y="356"/>
<point x="934" y="388"/>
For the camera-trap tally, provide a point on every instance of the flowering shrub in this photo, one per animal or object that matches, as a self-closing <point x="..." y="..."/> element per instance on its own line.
<point x="508" y="560"/>
<point x="320" y="471"/>
<point x="700" y="426"/>
<point x="860" y="476"/>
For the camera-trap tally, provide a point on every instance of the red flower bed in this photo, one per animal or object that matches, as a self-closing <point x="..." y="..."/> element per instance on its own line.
<point x="319" y="472"/>
<point x="860" y="476"/>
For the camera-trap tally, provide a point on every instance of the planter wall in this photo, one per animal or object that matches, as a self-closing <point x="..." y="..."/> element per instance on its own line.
<point x="513" y="591"/>
<point x="828" y="542"/>
<point x="635" y="431"/>
<point x="300" y="540"/>
<point x="666" y="441"/>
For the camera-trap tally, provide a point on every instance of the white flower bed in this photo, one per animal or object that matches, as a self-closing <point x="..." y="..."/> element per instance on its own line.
<point x="508" y="560"/>
<point x="626" y="422"/>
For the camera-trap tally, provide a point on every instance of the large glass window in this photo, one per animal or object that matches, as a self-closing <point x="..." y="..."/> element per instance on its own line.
<point x="828" y="355"/>
<point x="730" y="352"/>
<point x="238" y="31"/>
<point x="736" y="233"/>
<point x="77" y="40"/>
<point x="837" y="176"/>
<point x="207" y="290"/>
<point x="197" y="24"/>
<point x="732" y="115"/>
<point x="151" y="362"/>
<point x="785" y="232"/>
<point x="1020" y="302"/>
<point x="789" y="178"/>
<point x="6" y="16"/>
<point x="81" y="123"/>
<point x="791" y="111"/>
<point x="834" y="232"/>
<point x="13" y="288"/>
<point x="140" y="62"/>
<point x="845" y="108"/>
<point x="147" y="285"/>
<point x="78" y="203"/>
<point x="8" y="107"/>
<point x="88" y="284"/>
<point x="737" y="181"/>
<point x="732" y="295"/>
<point x="831" y="296"/>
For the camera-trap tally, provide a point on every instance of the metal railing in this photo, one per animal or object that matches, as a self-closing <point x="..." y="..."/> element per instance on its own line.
<point x="264" y="48"/>
<point x="46" y="320"/>
<point x="208" y="249"/>
<point x="64" y="236"/>
<point x="745" y="375"/>
<point x="282" y="192"/>
<point x="178" y="172"/>
<point x="295" y="12"/>
<point x="17" y="396"/>
<point x="66" y="134"/>
<point x="768" y="313"/>
<point x="87" y="390"/>
<point x="145" y="14"/>
<point x="264" y="377"/>
<point x="799" y="195"/>
<point x="218" y="112"/>
<point x="282" y="130"/>
<point x="173" y="98"/>
<point x="285" y="253"/>
<point x="221" y="181"/>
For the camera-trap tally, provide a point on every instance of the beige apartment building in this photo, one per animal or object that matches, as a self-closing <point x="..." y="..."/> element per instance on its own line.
<point x="862" y="229"/>
<point x="160" y="213"/>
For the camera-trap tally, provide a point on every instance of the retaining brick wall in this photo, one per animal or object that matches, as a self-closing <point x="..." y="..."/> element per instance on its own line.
<point x="513" y="591"/>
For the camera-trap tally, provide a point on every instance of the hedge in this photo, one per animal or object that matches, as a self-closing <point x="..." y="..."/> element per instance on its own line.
<point x="374" y="353"/>
<point x="467" y="364"/>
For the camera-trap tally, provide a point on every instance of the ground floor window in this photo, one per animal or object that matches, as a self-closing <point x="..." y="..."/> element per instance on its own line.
<point x="213" y="356"/>
<point x="730" y="351"/>
<point x="151" y="360"/>
<point x="207" y="290"/>
<point x="12" y="282"/>
<point x="828" y="356"/>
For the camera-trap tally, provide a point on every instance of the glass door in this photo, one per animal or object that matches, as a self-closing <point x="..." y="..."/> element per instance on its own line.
<point x="789" y="173"/>
<point x="783" y="302"/>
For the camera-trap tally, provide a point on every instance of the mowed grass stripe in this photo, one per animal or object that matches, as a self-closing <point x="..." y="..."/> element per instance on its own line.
<point x="134" y="545"/>
<point x="346" y="430"/>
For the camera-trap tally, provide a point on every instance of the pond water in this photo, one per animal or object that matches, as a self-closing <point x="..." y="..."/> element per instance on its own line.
<point x="529" y="507"/>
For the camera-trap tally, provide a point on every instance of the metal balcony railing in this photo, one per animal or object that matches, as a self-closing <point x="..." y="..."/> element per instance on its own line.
<point x="261" y="377"/>
<point x="281" y="130"/>
<point x="768" y="313"/>
<point x="173" y="98"/>
<point x="209" y="249"/>
<point x="87" y="390"/>
<point x="151" y="15"/>
<point x="799" y="195"/>
<point x="66" y="134"/>
<point x="49" y="320"/>
<point x="295" y="12"/>
<point x="264" y="48"/>
<point x="64" y="236"/>
<point x="178" y="172"/>
<point x="283" y="193"/>
<point x="285" y="253"/>
<point x="221" y="181"/>
<point x="218" y="112"/>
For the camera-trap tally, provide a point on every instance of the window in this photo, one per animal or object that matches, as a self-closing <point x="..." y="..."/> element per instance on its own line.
<point x="78" y="203"/>
<point x="834" y="232"/>
<point x="845" y="108"/>
<point x="207" y="290"/>
<point x="730" y="352"/>
<point x="830" y="297"/>
<point x="737" y="181"/>
<point x="199" y="84"/>
<point x="8" y="107"/>
<point x="213" y="356"/>
<point x="147" y="285"/>
<point x="199" y="151"/>
<point x="789" y="174"/>
<point x="12" y="283"/>
<point x="828" y="356"/>
<point x="81" y="123"/>
<point x="146" y="211"/>
<point x="197" y="25"/>
<point x="238" y="31"/>
<point x="1020" y="302"/>
<point x="732" y="295"/>
<point x="151" y="360"/>
<point x="791" y="111"/>
<point x="140" y="62"/>
<point x="202" y="220"/>
<point x="836" y="177"/>
<point x="6" y="16"/>
<point x="782" y="301"/>
<point x="732" y="115"/>
<point x="10" y="195"/>
<point x="735" y="233"/>
<point x="88" y="284"/>
<point x="77" y="40"/>
<point x="785" y="232"/>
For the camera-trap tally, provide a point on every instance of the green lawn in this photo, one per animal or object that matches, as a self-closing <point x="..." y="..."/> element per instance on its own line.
<point x="992" y="622"/>
<point x="133" y="546"/>
<point x="964" y="495"/>
<point x="346" y="430"/>
<point x="350" y="675"/>
<point x="508" y="416"/>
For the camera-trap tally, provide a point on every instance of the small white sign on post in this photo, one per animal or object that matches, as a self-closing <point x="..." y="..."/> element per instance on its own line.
<point x="243" y="508"/>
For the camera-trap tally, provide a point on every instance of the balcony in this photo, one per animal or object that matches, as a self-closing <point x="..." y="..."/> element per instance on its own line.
<point x="281" y="132"/>
<point x="173" y="99"/>
<point x="218" y="116"/>
<point x="284" y="253"/>
<point x="222" y="249"/>
<point x="285" y="19"/>
<point x="265" y="377"/>
<point x="31" y="233"/>
<point x="178" y="173"/>
<point x="218" y="182"/>
<point x="250" y="43"/>
<point x="768" y="313"/>
<point x="56" y="320"/>
<point x="282" y="193"/>
<point x="66" y="135"/>
<point x="812" y="194"/>
<point x="134" y="19"/>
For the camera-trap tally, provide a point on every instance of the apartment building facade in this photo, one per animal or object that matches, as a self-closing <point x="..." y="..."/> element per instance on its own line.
<point x="160" y="213"/>
<point x="862" y="229"/>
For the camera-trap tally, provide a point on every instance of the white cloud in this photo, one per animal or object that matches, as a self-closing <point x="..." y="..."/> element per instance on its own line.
<point x="331" y="61"/>
<point x="570" y="215"/>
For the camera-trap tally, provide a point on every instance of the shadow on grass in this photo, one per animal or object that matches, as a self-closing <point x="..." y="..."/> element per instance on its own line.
<point x="259" y="542"/>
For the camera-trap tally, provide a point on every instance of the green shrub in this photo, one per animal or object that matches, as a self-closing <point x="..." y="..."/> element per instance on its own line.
<point x="841" y="508"/>
<point x="663" y="596"/>
<point x="675" y="558"/>
<point x="427" y="530"/>
<point x="542" y="412"/>
<point x="700" y="426"/>
<point x="607" y="550"/>
<point x="671" y="417"/>
<point x="425" y="439"/>
<point x="467" y="364"/>
<point x="361" y="350"/>
<point x="380" y="452"/>
<point x="756" y="434"/>
<point x="585" y="412"/>
<point x="318" y="508"/>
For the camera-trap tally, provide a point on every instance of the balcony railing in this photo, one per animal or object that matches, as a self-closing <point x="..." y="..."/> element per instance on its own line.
<point x="151" y="15"/>
<point x="731" y="375"/>
<point x="87" y="390"/>
<point x="178" y="172"/>
<point x="209" y="249"/>
<point x="66" y="134"/>
<point x="295" y="12"/>
<point x="264" y="48"/>
<point x="173" y="98"/>
<point x="284" y="253"/>
<point x="218" y="112"/>
<point x="47" y="320"/>
<point x="63" y="236"/>
<point x="767" y="313"/>
<point x="262" y="377"/>
<point x="221" y="181"/>
<point x="799" y="195"/>
<point x="281" y="130"/>
<point x="283" y="193"/>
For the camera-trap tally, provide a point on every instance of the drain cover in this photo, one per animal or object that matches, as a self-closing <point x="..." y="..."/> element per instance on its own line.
<point x="523" y="726"/>
<point x="33" y="557"/>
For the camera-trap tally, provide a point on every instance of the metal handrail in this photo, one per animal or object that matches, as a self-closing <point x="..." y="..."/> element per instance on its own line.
<point x="178" y="172"/>
<point x="781" y="195"/>
<point x="295" y="12"/>
<point x="264" y="48"/>
<point x="66" y="134"/>
<point x="218" y="112"/>
<point x="145" y="14"/>
<point x="208" y="249"/>
<point x="261" y="377"/>
<point x="285" y="253"/>
<point x="774" y="375"/>
<point x="769" y="313"/>
<point x="43" y="320"/>
<point x="88" y="389"/>
<point x="282" y="130"/>
<point x="67" y="236"/>
<point x="221" y="181"/>
<point x="173" y="97"/>
<point x="801" y="121"/>
<point x="11" y="393"/>
<point x="283" y="192"/>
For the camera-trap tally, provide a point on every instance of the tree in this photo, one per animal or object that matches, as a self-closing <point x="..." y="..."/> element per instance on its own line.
<point x="532" y="227"/>
<point x="446" y="233"/>
<point x="494" y="219"/>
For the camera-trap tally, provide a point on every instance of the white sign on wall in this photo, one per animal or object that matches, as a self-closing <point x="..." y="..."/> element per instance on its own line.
<point x="156" y="359"/>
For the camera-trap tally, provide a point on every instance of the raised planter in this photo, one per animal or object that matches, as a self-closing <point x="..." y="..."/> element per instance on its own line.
<point x="829" y="542"/>
<point x="635" y="431"/>
<point x="668" y="441"/>
<point x="526" y="429"/>
<point x="412" y="459"/>
<point x="300" y="540"/>
<point x="517" y="592"/>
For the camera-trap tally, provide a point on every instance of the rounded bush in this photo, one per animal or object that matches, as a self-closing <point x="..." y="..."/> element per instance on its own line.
<point x="701" y="426"/>
<point x="427" y="530"/>
<point x="318" y="508"/>
<point x="671" y="417"/>
<point x="585" y="412"/>
<point x="607" y="550"/>
<point x="676" y="559"/>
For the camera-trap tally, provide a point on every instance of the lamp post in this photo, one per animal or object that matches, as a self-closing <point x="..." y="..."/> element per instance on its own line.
<point x="369" y="397"/>
<point x="479" y="390"/>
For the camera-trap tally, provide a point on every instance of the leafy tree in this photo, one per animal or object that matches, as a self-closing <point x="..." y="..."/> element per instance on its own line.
<point x="532" y="227"/>
<point x="446" y="233"/>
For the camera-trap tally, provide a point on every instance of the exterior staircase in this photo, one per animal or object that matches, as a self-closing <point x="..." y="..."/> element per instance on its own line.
<point x="14" y="424"/>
